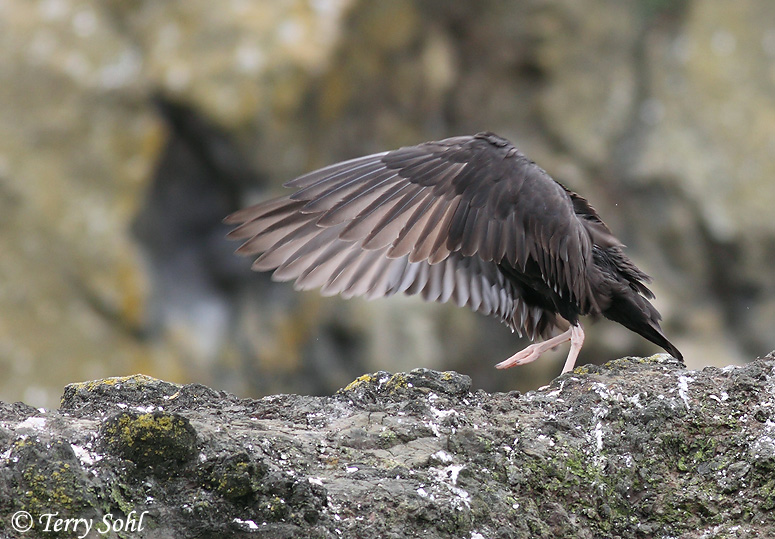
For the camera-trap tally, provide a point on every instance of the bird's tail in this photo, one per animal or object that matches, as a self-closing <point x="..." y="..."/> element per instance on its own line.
<point x="654" y="333"/>
<point x="637" y="314"/>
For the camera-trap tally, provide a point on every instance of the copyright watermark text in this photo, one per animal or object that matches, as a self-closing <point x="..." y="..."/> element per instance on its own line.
<point x="22" y="522"/>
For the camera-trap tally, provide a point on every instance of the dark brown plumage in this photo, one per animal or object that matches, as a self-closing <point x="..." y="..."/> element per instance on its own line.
<point x="467" y="219"/>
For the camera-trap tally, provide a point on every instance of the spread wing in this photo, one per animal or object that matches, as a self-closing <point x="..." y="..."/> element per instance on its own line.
<point x="434" y="219"/>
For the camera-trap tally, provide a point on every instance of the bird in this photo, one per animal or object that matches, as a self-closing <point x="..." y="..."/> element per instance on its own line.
<point x="467" y="219"/>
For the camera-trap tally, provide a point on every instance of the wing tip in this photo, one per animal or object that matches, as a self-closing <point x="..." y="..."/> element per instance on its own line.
<point x="233" y="219"/>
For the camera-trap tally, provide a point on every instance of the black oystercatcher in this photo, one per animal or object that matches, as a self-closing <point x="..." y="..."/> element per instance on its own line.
<point x="468" y="219"/>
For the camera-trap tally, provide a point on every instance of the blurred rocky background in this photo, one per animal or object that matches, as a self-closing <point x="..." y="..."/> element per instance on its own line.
<point x="128" y="129"/>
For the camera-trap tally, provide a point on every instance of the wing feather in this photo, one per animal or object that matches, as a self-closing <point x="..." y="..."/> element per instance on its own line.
<point x="347" y="209"/>
<point x="339" y="278"/>
<point x="259" y="223"/>
<point x="329" y="173"/>
<point x="280" y="231"/>
<point x="325" y="267"/>
<point x="363" y="224"/>
<point x="324" y="197"/>
<point x="410" y="234"/>
<point x="429" y="236"/>
<point x="387" y="230"/>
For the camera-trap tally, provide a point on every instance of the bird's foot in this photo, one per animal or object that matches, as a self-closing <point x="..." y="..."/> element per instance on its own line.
<point x="534" y="351"/>
<point x="575" y="335"/>
<point x="527" y="355"/>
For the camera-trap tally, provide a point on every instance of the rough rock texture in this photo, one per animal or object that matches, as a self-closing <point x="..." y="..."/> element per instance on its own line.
<point x="662" y="113"/>
<point x="636" y="448"/>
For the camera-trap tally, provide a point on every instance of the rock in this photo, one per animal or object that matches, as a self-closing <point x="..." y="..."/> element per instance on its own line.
<point x="151" y="439"/>
<point x="638" y="447"/>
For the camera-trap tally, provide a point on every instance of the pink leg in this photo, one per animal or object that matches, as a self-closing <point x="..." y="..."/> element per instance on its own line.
<point x="575" y="335"/>
<point x="576" y="340"/>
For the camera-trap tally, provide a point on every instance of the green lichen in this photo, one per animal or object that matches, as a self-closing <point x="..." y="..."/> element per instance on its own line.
<point x="150" y="438"/>
<point x="51" y="485"/>
<point x="388" y="438"/>
<point x="235" y="476"/>
<point x="559" y="477"/>
<point x="690" y="452"/>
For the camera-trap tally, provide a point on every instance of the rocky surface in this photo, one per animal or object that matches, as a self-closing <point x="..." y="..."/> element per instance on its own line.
<point x="636" y="448"/>
<point x="662" y="113"/>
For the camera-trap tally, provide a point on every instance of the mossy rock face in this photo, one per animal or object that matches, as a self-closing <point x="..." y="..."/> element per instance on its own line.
<point x="639" y="447"/>
<point x="149" y="439"/>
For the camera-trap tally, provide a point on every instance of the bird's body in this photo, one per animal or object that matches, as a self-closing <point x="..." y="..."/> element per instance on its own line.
<point x="467" y="219"/>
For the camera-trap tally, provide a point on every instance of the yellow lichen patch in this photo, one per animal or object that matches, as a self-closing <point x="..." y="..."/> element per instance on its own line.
<point x="366" y="378"/>
<point x="581" y="370"/>
<point x="397" y="381"/>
